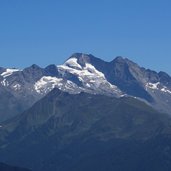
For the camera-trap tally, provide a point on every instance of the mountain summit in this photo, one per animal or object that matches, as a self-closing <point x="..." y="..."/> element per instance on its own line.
<point x="82" y="58"/>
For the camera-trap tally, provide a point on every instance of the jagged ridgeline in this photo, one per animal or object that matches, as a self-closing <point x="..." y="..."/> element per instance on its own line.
<point x="20" y="89"/>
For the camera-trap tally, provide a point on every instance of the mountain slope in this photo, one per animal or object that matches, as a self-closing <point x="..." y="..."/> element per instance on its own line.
<point x="5" y="167"/>
<point x="87" y="132"/>
<point x="9" y="105"/>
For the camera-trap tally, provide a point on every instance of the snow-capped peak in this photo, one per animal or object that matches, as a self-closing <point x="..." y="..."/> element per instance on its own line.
<point x="91" y="78"/>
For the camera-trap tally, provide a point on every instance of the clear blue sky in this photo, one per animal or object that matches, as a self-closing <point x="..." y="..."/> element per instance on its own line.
<point x="49" y="31"/>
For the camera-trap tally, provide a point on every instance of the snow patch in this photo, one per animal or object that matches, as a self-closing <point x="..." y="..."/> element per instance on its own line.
<point x="46" y="84"/>
<point x="166" y="90"/>
<point x="89" y="71"/>
<point x="158" y="86"/>
<point x="72" y="62"/>
<point x="17" y="87"/>
<point x="5" y="83"/>
<point x="153" y="86"/>
<point x="9" y="72"/>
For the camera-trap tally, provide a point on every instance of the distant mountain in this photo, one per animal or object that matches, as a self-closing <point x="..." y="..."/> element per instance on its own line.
<point x="73" y="132"/>
<point x="83" y="73"/>
<point x="5" y="167"/>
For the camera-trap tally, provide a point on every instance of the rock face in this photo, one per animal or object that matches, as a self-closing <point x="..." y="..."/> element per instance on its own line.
<point x="73" y="132"/>
<point x="83" y="73"/>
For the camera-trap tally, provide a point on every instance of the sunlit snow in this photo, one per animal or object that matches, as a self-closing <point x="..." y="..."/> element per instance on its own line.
<point x="88" y="75"/>
<point x="9" y="72"/>
<point x="47" y="83"/>
<point x="158" y="86"/>
<point x="72" y="62"/>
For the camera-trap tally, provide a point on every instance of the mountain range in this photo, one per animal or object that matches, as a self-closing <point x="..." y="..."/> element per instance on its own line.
<point x="20" y="89"/>
<point x="86" y="114"/>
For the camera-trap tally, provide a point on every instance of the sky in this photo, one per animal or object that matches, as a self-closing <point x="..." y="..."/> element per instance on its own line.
<point x="47" y="32"/>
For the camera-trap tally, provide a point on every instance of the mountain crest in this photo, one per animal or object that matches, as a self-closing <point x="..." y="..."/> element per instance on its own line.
<point x="119" y="59"/>
<point x="82" y="58"/>
<point x="34" y="66"/>
<point x="84" y="73"/>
